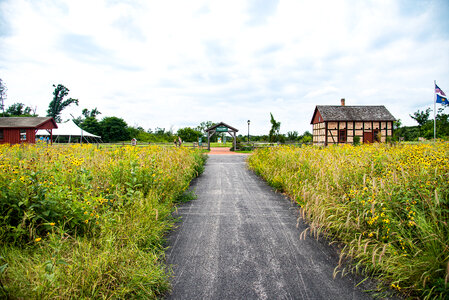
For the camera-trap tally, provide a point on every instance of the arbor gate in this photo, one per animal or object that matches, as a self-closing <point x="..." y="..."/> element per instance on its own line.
<point x="221" y="127"/>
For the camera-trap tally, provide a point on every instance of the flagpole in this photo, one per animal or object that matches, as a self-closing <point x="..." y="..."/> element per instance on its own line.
<point x="434" y="113"/>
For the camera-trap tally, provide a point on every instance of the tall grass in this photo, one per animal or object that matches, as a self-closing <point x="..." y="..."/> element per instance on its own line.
<point x="389" y="205"/>
<point x="82" y="222"/>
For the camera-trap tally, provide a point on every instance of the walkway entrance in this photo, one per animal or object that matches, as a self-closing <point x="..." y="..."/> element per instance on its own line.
<point x="221" y="127"/>
<point x="240" y="240"/>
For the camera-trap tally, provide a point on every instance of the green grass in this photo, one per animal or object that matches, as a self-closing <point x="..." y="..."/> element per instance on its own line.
<point x="87" y="223"/>
<point x="388" y="206"/>
<point x="220" y="145"/>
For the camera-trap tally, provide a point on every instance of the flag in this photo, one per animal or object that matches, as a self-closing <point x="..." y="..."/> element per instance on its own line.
<point x="440" y="96"/>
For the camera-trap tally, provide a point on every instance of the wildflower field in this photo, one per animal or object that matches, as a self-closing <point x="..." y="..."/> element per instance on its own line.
<point x="387" y="204"/>
<point x="82" y="222"/>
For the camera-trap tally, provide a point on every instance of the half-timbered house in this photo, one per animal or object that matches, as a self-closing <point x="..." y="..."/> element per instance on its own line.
<point x="339" y="124"/>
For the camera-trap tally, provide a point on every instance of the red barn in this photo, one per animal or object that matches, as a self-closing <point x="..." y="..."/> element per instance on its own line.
<point x="17" y="130"/>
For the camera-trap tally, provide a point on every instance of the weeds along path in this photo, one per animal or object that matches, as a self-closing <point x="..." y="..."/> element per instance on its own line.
<point x="240" y="240"/>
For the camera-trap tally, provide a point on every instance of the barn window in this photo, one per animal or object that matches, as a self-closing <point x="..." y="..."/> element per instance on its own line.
<point x="1" y="135"/>
<point x="23" y="134"/>
<point x="342" y="136"/>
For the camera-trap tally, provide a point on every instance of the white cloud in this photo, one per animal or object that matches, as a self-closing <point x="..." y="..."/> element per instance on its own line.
<point x="177" y="63"/>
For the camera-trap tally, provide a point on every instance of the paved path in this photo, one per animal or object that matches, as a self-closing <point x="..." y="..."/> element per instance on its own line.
<point x="239" y="240"/>
<point x="222" y="151"/>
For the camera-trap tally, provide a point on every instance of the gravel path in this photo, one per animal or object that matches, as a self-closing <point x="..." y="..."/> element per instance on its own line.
<point x="240" y="240"/>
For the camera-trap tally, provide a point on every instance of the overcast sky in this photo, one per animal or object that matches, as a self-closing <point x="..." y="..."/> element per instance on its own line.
<point x="172" y="64"/>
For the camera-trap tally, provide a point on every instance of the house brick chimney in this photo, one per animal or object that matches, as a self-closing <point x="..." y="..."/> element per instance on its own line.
<point x="342" y="101"/>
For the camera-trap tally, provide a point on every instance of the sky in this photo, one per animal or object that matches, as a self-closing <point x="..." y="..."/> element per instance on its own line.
<point x="173" y="64"/>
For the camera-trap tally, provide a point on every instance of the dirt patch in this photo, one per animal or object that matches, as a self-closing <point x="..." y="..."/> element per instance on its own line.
<point x="223" y="151"/>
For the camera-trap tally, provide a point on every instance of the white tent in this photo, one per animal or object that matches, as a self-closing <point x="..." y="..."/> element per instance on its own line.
<point x="70" y="130"/>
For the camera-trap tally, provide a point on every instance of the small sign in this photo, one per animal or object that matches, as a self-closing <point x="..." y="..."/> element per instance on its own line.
<point x="200" y="141"/>
<point x="133" y="142"/>
<point x="221" y="129"/>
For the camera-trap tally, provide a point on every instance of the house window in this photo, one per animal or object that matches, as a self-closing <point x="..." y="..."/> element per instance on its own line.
<point x="23" y="134"/>
<point x="1" y="135"/>
<point x="376" y="134"/>
<point x="342" y="136"/>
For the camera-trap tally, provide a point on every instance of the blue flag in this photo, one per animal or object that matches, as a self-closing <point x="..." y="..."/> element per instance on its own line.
<point x="440" y="96"/>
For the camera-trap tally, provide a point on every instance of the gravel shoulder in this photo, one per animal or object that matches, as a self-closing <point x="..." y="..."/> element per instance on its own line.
<point x="240" y="240"/>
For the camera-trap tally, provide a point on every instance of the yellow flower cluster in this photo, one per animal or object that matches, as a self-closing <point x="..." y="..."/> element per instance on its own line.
<point x="79" y="184"/>
<point x="382" y="200"/>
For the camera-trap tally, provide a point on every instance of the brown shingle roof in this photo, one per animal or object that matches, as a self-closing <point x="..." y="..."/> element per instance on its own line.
<point x="24" y="122"/>
<point x="353" y="113"/>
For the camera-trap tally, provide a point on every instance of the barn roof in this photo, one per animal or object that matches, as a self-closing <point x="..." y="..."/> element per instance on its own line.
<point x="25" y="122"/>
<point x="353" y="113"/>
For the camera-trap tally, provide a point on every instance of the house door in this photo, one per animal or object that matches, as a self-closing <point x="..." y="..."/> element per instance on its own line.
<point x="367" y="137"/>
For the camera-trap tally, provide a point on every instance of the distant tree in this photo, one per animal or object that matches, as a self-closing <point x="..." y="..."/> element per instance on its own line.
<point x="114" y="129"/>
<point x="58" y="104"/>
<point x="306" y="137"/>
<point x="18" y="109"/>
<point x="421" y="117"/>
<point x="3" y="90"/>
<point x="292" y="135"/>
<point x="188" y="134"/>
<point x="281" y="138"/>
<point x="90" y="113"/>
<point x="91" y="125"/>
<point x="204" y="125"/>
<point x="442" y="125"/>
<point x="274" y="131"/>
<point x="202" y="128"/>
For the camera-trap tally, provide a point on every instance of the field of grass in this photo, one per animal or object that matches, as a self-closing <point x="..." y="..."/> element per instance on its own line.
<point x="388" y="206"/>
<point x="82" y="222"/>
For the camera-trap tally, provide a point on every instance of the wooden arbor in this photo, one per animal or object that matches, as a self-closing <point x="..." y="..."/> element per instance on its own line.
<point x="221" y="127"/>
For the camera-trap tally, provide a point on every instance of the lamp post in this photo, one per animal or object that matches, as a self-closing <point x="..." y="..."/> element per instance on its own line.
<point x="248" y="130"/>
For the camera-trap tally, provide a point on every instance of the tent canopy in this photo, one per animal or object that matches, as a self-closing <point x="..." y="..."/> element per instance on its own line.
<point x="68" y="129"/>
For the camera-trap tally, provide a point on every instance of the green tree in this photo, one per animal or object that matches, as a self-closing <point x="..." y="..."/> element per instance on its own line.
<point x="306" y="137"/>
<point x="421" y="117"/>
<point x="90" y="113"/>
<point x="19" y="109"/>
<point x="114" y="129"/>
<point x="188" y="134"/>
<point x="203" y="126"/>
<point x="442" y="125"/>
<point x="274" y="131"/>
<point x="58" y="104"/>
<point x="292" y="135"/>
<point x="91" y="125"/>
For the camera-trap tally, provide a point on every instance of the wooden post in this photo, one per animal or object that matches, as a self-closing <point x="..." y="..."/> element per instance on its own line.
<point x="208" y="140"/>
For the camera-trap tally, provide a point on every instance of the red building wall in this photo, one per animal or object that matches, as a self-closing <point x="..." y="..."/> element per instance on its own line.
<point x="12" y="136"/>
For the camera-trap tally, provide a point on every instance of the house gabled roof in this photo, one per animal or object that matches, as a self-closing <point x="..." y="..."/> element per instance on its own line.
<point x="25" y="122"/>
<point x="353" y="113"/>
<point x="222" y="124"/>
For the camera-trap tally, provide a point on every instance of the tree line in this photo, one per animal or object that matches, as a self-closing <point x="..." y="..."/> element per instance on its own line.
<point x="425" y="127"/>
<point x="114" y="129"/>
